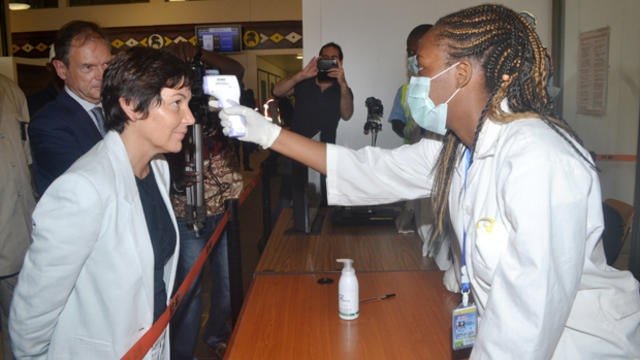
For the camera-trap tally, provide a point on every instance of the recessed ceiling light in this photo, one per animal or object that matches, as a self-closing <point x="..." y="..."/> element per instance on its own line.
<point x="19" y="6"/>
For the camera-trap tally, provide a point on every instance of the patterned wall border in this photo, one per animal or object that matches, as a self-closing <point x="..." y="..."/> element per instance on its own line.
<point x="255" y="36"/>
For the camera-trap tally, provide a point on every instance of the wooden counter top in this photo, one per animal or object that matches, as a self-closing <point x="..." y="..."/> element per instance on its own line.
<point x="375" y="247"/>
<point x="292" y="316"/>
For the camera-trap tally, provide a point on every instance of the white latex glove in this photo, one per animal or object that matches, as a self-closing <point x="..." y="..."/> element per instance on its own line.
<point x="260" y="130"/>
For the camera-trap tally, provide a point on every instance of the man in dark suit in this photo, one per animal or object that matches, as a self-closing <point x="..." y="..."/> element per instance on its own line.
<point x="68" y="127"/>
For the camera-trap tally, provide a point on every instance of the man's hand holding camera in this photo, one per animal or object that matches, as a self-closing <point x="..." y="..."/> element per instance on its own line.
<point x="325" y="69"/>
<point x="309" y="71"/>
<point x="329" y="69"/>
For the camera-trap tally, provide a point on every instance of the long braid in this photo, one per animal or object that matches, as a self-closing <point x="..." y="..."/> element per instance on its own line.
<point x="515" y="68"/>
<point x="443" y="176"/>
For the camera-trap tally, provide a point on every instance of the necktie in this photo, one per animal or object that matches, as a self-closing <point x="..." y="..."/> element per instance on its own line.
<point x="97" y="113"/>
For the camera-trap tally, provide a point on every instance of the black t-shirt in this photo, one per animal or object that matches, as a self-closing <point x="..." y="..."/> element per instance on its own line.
<point x="316" y="111"/>
<point x="162" y="234"/>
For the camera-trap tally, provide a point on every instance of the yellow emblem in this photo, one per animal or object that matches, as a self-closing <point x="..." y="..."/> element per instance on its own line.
<point x="485" y="224"/>
<point x="251" y="38"/>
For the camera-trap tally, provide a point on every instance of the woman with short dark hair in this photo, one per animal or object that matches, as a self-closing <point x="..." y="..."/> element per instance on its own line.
<point x="105" y="246"/>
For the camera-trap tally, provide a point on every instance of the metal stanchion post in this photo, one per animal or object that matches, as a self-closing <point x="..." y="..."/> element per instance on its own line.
<point x="234" y="257"/>
<point x="266" y="203"/>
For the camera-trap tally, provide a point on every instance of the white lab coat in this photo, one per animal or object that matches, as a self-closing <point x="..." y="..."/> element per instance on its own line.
<point x="86" y="288"/>
<point x="532" y="212"/>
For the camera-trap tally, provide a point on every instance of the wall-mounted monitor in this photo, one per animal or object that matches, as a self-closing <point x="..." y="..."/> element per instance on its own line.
<point x="220" y="37"/>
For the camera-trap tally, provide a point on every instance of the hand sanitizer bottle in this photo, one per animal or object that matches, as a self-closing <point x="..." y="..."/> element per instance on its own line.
<point x="348" y="300"/>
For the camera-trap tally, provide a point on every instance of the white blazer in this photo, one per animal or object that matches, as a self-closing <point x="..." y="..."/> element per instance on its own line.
<point x="86" y="288"/>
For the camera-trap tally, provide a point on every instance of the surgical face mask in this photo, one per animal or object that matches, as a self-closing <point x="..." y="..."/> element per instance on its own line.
<point x="423" y="110"/>
<point x="413" y="65"/>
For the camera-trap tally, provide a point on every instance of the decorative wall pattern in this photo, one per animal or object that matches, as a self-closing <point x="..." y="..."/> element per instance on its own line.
<point x="255" y="35"/>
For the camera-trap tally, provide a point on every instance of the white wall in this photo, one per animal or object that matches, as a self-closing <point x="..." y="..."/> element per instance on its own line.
<point x="373" y="35"/>
<point x="616" y="131"/>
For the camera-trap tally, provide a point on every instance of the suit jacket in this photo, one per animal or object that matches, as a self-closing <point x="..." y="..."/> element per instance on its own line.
<point x="86" y="288"/>
<point x="60" y="133"/>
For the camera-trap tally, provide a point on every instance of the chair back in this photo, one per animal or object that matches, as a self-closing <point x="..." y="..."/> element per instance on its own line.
<point x="618" y="217"/>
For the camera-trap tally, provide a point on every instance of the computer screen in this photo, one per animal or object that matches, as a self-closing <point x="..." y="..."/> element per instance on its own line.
<point x="220" y="38"/>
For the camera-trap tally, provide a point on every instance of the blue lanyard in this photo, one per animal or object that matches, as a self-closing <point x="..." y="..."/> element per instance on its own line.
<point x="464" y="276"/>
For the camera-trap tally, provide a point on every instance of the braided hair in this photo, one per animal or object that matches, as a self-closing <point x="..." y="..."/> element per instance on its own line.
<point x="514" y="64"/>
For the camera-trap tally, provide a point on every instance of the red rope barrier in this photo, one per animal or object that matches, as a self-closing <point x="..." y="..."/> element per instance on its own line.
<point x="144" y="344"/>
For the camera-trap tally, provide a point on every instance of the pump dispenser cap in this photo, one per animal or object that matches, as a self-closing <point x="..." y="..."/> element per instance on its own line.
<point x="348" y="265"/>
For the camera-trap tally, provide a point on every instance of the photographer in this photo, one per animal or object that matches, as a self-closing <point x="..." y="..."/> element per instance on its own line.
<point x="104" y="251"/>
<point x="322" y="97"/>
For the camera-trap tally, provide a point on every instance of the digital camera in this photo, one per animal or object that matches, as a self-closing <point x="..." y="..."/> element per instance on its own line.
<point x="326" y="64"/>
<point x="323" y="66"/>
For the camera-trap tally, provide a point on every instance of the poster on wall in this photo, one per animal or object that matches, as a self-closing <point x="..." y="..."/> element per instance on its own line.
<point x="273" y="80"/>
<point x="593" y="71"/>
<point x="266" y="82"/>
<point x="263" y="89"/>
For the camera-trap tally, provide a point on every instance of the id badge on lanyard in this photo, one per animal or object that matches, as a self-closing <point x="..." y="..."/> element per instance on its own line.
<point x="464" y="318"/>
